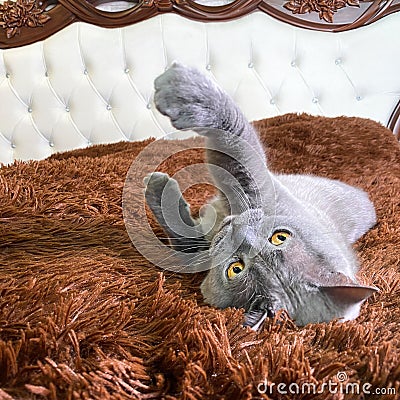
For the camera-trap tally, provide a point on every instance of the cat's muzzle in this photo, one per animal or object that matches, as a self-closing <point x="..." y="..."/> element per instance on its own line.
<point x="260" y="309"/>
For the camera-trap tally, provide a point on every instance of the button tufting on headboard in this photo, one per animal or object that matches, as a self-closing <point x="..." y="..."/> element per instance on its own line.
<point x="88" y="84"/>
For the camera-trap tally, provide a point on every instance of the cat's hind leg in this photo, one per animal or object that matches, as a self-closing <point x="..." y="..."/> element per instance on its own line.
<point x="164" y="198"/>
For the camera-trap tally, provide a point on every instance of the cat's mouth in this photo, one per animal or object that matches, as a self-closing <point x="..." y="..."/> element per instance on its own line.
<point x="260" y="309"/>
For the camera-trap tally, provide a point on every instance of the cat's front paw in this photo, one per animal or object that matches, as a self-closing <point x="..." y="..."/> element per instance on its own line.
<point x="155" y="184"/>
<point x="161" y="190"/>
<point x="187" y="97"/>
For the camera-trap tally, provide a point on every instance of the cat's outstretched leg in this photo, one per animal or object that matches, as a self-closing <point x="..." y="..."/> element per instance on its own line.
<point x="193" y="101"/>
<point x="172" y="212"/>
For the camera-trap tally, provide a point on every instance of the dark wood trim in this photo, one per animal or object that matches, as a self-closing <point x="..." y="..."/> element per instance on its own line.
<point x="394" y="121"/>
<point x="376" y="10"/>
<point x="64" y="12"/>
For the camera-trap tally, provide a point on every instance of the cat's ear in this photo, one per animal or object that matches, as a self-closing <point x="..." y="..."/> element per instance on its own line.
<point x="348" y="299"/>
<point x="348" y="294"/>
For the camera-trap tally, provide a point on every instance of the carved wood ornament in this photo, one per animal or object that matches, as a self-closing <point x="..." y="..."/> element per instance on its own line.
<point x="15" y="15"/>
<point x="324" y="8"/>
<point x="27" y="21"/>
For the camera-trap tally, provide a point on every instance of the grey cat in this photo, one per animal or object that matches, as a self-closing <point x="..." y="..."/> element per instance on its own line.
<point x="275" y="241"/>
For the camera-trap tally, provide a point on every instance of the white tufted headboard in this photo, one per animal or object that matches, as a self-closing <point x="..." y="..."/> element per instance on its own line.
<point x="87" y="84"/>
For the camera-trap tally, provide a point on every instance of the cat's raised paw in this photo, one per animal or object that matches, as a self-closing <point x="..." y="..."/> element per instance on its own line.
<point x="187" y="97"/>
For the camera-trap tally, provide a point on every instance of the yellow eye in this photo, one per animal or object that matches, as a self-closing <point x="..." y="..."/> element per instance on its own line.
<point x="234" y="269"/>
<point x="279" y="237"/>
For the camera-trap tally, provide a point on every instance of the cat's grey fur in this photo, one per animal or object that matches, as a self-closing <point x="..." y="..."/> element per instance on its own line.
<point x="312" y="273"/>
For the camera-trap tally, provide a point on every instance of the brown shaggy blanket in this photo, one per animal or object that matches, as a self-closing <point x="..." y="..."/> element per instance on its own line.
<point x="84" y="316"/>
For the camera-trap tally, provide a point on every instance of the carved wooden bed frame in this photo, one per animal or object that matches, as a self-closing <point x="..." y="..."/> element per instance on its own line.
<point x="50" y="16"/>
<point x="28" y="29"/>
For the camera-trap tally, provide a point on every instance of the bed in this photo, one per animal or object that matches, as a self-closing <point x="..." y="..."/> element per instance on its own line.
<point x="83" y="315"/>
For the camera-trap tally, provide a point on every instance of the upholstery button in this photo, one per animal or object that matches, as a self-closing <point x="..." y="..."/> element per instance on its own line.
<point x="272" y="101"/>
<point x="250" y="65"/>
<point x="7" y="75"/>
<point x="358" y="98"/>
<point x="293" y="63"/>
<point x="51" y="144"/>
<point x="29" y="110"/>
<point x="108" y="107"/>
<point x="126" y="70"/>
<point x="67" y="109"/>
<point x="338" y="61"/>
<point x="315" y="100"/>
<point x="13" y="146"/>
<point x="208" y="67"/>
<point x="85" y="71"/>
<point x="148" y="106"/>
<point x="46" y="74"/>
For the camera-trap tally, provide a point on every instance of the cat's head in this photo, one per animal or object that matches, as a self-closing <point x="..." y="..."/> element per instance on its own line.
<point x="263" y="264"/>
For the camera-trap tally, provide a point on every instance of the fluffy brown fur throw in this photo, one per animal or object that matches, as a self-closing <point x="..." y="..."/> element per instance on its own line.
<point x="84" y="316"/>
